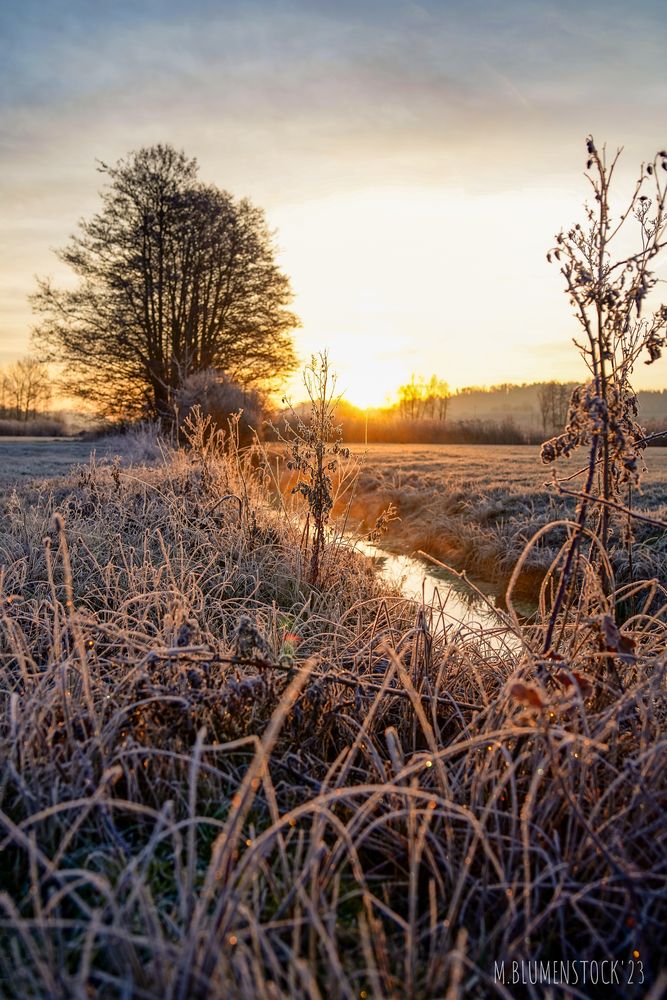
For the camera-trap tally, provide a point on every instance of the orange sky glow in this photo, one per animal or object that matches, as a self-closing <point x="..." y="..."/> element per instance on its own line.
<point x="415" y="160"/>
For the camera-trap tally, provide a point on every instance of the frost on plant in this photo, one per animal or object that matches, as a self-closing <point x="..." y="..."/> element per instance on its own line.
<point x="315" y="449"/>
<point x="607" y="264"/>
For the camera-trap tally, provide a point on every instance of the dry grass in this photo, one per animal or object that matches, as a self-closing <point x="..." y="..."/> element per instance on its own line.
<point x="219" y="781"/>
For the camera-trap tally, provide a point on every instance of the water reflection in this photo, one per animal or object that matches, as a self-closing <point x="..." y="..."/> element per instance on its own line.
<point x="454" y="603"/>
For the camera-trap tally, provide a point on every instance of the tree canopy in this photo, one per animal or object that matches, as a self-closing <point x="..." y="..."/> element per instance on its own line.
<point x="174" y="277"/>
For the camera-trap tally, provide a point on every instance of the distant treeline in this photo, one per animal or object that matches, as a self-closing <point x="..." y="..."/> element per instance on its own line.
<point x="398" y="430"/>
<point x="538" y="407"/>
<point x="426" y="412"/>
<point x="503" y="414"/>
<point x="391" y="427"/>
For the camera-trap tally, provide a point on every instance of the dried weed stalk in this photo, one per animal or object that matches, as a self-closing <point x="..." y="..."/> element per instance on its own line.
<point x="315" y="449"/>
<point x="609" y="287"/>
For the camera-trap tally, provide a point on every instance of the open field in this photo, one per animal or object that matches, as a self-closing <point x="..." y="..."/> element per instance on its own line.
<point x="476" y="507"/>
<point x="472" y="506"/>
<point x="488" y="467"/>
<point x="220" y="780"/>
<point x="23" y="459"/>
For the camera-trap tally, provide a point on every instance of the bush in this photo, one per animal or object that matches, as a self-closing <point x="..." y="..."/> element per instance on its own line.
<point x="137" y="443"/>
<point x="220" y="398"/>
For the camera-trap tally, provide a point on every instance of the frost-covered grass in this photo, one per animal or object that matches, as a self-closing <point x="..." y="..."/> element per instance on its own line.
<point x="219" y="781"/>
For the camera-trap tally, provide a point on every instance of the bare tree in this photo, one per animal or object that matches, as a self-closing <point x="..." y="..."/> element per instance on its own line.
<point x="418" y="398"/>
<point x="410" y="398"/>
<point x="26" y="389"/>
<point x="437" y="398"/>
<point x="553" y="399"/>
<point x="175" y="277"/>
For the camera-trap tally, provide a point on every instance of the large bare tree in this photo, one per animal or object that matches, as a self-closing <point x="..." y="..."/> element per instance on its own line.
<point x="175" y="277"/>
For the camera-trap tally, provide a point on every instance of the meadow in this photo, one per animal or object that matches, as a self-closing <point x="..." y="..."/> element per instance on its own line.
<point x="221" y="779"/>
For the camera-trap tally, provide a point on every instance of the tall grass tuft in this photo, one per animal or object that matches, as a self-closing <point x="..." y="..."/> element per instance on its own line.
<point x="315" y="450"/>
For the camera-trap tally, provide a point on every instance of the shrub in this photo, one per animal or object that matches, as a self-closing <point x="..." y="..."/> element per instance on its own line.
<point x="608" y="289"/>
<point x="221" y="398"/>
<point x="314" y="450"/>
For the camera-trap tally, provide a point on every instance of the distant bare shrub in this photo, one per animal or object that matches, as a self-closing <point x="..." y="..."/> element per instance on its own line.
<point x="220" y="398"/>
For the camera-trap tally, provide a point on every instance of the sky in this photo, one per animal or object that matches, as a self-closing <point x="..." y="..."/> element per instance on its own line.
<point x="414" y="159"/>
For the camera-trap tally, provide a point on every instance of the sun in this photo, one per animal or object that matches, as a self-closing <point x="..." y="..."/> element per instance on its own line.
<point x="360" y="389"/>
<point x="362" y="379"/>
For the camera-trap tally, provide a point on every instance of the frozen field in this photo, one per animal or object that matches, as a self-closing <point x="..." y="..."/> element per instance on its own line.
<point x="485" y="467"/>
<point x="24" y="458"/>
<point x="476" y="507"/>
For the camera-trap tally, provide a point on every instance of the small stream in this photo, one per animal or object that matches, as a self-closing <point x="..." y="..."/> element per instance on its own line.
<point x="459" y="605"/>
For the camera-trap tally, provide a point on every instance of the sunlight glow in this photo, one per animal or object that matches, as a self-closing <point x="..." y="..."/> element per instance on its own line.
<point x="399" y="280"/>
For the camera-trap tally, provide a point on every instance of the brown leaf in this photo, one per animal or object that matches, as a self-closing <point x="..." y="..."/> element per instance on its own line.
<point x="615" y="641"/>
<point x="526" y="694"/>
<point x="572" y="678"/>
